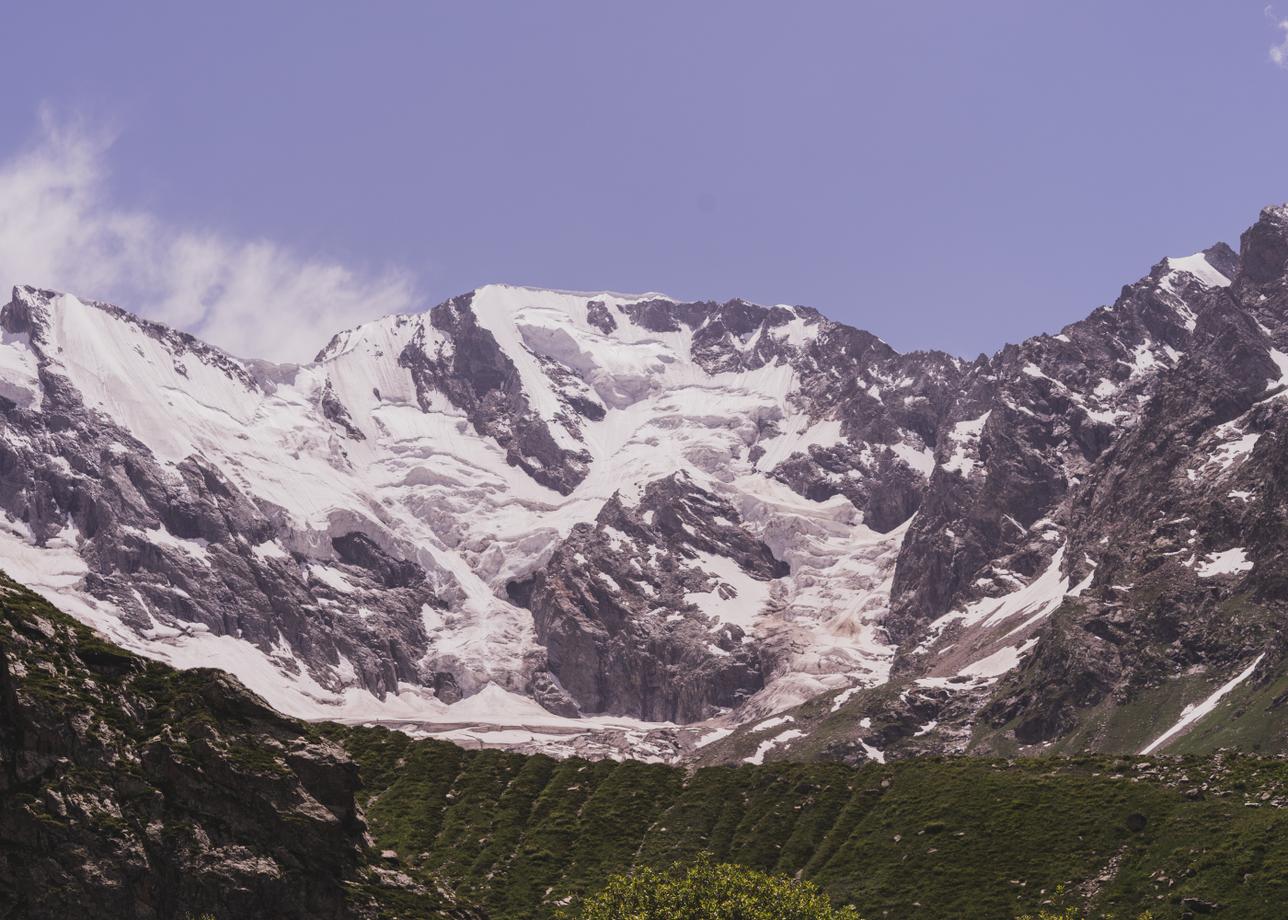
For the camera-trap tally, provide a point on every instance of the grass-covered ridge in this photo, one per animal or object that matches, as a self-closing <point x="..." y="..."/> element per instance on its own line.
<point x="934" y="837"/>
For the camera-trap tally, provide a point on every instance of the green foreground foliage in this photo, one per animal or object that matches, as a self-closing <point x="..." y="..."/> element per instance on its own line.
<point x="708" y="891"/>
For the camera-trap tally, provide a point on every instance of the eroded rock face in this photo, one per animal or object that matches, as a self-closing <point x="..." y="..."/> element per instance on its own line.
<point x="1096" y="563"/>
<point x="1187" y="483"/>
<point x="131" y="790"/>
<point x="1031" y="421"/>
<point x="647" y="610"/>
<point x="1171" y="528"/>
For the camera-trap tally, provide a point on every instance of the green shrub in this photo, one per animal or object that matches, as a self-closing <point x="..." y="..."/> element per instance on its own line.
<point x="709" y="891"/>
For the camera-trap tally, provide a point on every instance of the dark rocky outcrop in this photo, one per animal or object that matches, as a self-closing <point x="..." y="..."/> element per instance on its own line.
<point x="614" y="606"/>
<point x="131" y="790"/>
<point x="477" y="376"/>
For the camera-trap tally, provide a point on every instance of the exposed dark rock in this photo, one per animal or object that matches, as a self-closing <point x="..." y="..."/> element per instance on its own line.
<point x="131" y="790"/>
<point x="612" y="607"/>
<point x="336" y="411"/>
<point x="360" y="550"/>
<point x="479" y="378"/>
<point x="599" y="316"/>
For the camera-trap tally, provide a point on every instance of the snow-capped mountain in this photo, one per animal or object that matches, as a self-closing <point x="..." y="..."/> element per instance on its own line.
<point x="581" y="521"/>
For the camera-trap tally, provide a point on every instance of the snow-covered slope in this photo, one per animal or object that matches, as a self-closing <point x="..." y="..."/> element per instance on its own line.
<point x="601" y="523"/>
<point x="352" y="536"/>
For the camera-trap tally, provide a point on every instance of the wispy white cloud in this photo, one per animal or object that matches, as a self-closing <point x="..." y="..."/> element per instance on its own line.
<point x="59" y="229"/>
<point x="1279" y="52"/>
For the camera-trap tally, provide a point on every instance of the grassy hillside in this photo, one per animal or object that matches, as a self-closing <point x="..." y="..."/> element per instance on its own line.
<point x="958" y="838"/>
<point x="131" y="789"/>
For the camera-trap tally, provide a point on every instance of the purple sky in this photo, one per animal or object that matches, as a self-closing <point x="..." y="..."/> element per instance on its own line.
<point x="946" y="174"/>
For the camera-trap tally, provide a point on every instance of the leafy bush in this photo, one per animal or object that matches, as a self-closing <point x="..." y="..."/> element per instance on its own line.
<point x="709" y="891"/>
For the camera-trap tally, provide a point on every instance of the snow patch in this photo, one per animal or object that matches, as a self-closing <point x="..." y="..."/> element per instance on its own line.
<point x="998" y="663"/>
<point x="1227" y="562"/>
<point x="964" y="438"/>
<point x="1198" y="266"/>
<point x="1193" y="713"/>
<point x="770" y="743"/>
<point x="735" y="598"/>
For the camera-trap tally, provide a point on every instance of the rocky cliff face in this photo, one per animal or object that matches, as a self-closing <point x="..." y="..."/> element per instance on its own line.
<point x="1102" y="572"/>
<point x="603" y="509"/>
<point x="640" y="610"/>
<point x="129" y="789"/>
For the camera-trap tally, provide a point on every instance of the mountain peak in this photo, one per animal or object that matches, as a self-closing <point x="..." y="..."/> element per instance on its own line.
<point x="1263" y="247"/>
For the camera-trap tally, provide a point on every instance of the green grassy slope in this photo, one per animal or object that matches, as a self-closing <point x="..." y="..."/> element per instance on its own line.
<point x="934" y="837"/>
